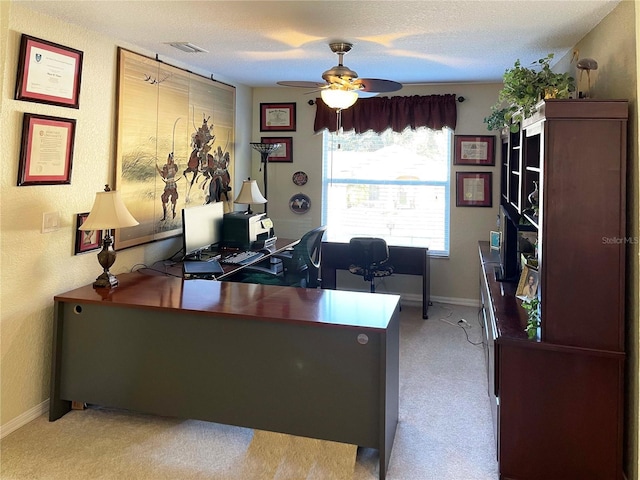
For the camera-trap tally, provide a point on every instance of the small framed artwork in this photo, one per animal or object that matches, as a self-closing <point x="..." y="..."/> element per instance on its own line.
<point x="86" y="240"/>
<point x="528" y="284"/>
<point x="278" y="117"/>
<point x="284" y="153"/>
<point x="46" y="153"/>
<point x="48" y="73"/>
<point x="495" y="240"/>
<point x="473" y="189"/>
<point x="474" y="150"/>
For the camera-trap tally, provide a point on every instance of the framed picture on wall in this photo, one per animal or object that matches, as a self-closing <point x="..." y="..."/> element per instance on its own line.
<point x="86" y="240"/>
<point x="46" y="152"/>
<point x="473" y="189"/>
<point x="48" y="73"/>
<point x="474" y="150"/>
<point x="284" y="153"/>
<point x="278" y="117"/>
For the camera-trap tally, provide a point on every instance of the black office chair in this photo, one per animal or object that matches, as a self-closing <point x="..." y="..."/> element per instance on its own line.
<point x="369" y="259"/>
<point x="301" y="264"/>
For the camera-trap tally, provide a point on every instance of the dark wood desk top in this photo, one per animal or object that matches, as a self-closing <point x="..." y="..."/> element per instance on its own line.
<point x="511" y="318"/>
<point x="241" y="300"/>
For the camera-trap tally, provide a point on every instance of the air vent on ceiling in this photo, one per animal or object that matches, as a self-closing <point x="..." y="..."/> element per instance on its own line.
<point x="188" y="47"/>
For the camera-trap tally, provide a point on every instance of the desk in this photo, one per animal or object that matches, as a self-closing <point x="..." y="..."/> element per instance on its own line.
<point x="405" y="260"/>
<point x="309" y="362"/>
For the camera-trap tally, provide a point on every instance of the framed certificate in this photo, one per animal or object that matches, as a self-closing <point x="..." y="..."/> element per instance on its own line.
<point x="473" y="189"/>
<point x="277" y="117"/>
<point x="48" y="73"/>
<point x="46" y="152"/>
<point x="474" y="150"/>
<point x="284" y="153"/>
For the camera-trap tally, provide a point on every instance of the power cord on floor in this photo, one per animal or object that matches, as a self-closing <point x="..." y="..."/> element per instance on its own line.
<point x="462" y="323"/>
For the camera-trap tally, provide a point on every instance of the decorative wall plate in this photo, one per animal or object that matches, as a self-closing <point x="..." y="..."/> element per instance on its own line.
<point x="299" y="203"/>
<point x="300" y="178"/>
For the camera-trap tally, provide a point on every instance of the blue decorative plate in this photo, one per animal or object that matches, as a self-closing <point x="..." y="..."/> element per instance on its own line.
<point x="299" y="203"/>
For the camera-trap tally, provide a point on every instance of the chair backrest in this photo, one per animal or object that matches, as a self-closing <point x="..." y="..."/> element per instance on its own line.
<point x="368" y="251"/>
<point x="305" y="259"/>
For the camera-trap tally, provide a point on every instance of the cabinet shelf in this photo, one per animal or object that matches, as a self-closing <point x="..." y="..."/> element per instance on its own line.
<point x="581" y="350"/>
<point x="533" y="219"/>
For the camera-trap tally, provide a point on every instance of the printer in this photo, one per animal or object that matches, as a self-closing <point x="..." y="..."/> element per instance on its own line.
<point x="246" y="231"/>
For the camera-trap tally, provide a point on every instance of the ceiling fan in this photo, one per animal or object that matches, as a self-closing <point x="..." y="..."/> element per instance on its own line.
<point x="342" y="84"/>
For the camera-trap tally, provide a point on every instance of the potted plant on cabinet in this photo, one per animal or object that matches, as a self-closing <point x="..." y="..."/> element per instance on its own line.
<point x="523" y="88"/>
<point x="531" y="306"/>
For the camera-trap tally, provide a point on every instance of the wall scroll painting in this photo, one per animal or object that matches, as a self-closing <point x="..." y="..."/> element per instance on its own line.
<point x="175" y="145"/>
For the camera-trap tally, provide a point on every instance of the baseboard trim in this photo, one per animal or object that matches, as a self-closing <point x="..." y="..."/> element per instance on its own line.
<point x="465" y="302"/>
<point x="23" y="419"/>
<point x="415" y="300"/>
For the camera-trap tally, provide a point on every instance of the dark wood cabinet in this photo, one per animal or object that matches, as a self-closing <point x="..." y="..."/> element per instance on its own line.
<point x="557" y="400"/>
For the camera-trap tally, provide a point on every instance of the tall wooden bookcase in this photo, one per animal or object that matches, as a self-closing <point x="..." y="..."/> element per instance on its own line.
<point x="558" y="400"/>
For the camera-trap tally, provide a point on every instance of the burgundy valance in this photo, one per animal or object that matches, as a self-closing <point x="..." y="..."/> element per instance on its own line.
<point x="380" y="113"/>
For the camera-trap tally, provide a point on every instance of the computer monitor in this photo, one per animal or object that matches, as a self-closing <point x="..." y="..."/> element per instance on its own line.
<point x="201" y="228"/>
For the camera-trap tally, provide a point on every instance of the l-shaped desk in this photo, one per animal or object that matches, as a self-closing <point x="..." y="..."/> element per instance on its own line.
<point x="308" y="362"/>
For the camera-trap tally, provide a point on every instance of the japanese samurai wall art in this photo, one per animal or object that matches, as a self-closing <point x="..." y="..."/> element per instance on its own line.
<point x="175" y="146"/>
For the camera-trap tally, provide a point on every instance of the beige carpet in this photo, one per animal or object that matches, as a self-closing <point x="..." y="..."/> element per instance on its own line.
<point x="444" y="431"/>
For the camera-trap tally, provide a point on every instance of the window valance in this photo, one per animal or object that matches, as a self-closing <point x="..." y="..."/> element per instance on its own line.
<point x="380" y="113"/>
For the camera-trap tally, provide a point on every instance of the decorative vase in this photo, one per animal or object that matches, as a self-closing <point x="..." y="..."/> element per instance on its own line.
<point x="533" y="196"/>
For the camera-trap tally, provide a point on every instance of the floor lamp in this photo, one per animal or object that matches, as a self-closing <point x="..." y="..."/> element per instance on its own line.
<point x="265" y="150"/>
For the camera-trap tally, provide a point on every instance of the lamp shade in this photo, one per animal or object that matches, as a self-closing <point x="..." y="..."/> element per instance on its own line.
<point x="250" y="193"/>
<point x="339" y="99"/>
<point x="108" y="211"/>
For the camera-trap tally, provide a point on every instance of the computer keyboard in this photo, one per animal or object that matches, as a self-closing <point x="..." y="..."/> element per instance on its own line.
<point x="242" y="258"/>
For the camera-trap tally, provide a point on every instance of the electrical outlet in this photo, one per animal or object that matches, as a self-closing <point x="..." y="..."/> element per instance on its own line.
<point x="50" y="222"/>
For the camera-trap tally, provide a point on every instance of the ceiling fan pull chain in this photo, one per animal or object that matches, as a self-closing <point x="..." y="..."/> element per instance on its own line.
<point x="338" y="125"/>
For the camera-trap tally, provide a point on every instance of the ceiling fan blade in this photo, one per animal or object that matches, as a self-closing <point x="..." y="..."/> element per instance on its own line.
<point x="301" y="84"/>
<point x="378" y="85"/>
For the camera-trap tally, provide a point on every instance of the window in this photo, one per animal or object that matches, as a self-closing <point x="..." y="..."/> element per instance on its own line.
<point x="390" y="185"/>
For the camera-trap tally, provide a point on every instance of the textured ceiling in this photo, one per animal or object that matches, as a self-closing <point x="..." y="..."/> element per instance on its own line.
<point x="258" y="43"/>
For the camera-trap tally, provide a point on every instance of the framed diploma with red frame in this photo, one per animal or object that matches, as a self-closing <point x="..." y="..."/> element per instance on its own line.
<point x="46" y="153"/>
<point x="48" y="73"/>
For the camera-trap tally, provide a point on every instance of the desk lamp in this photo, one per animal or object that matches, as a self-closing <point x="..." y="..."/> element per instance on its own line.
<point x="265" y="150"/>
<point x="250" y="193"/>
<point x="108" y="212"/>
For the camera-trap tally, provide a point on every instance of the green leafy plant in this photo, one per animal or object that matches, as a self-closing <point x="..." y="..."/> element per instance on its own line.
<point x="531" y="306"/>
<point x="500" y="118"/>
<point x="523" y="88"/>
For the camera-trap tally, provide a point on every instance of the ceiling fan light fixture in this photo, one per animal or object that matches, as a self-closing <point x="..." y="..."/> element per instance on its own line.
<point x="339" y="99"/>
